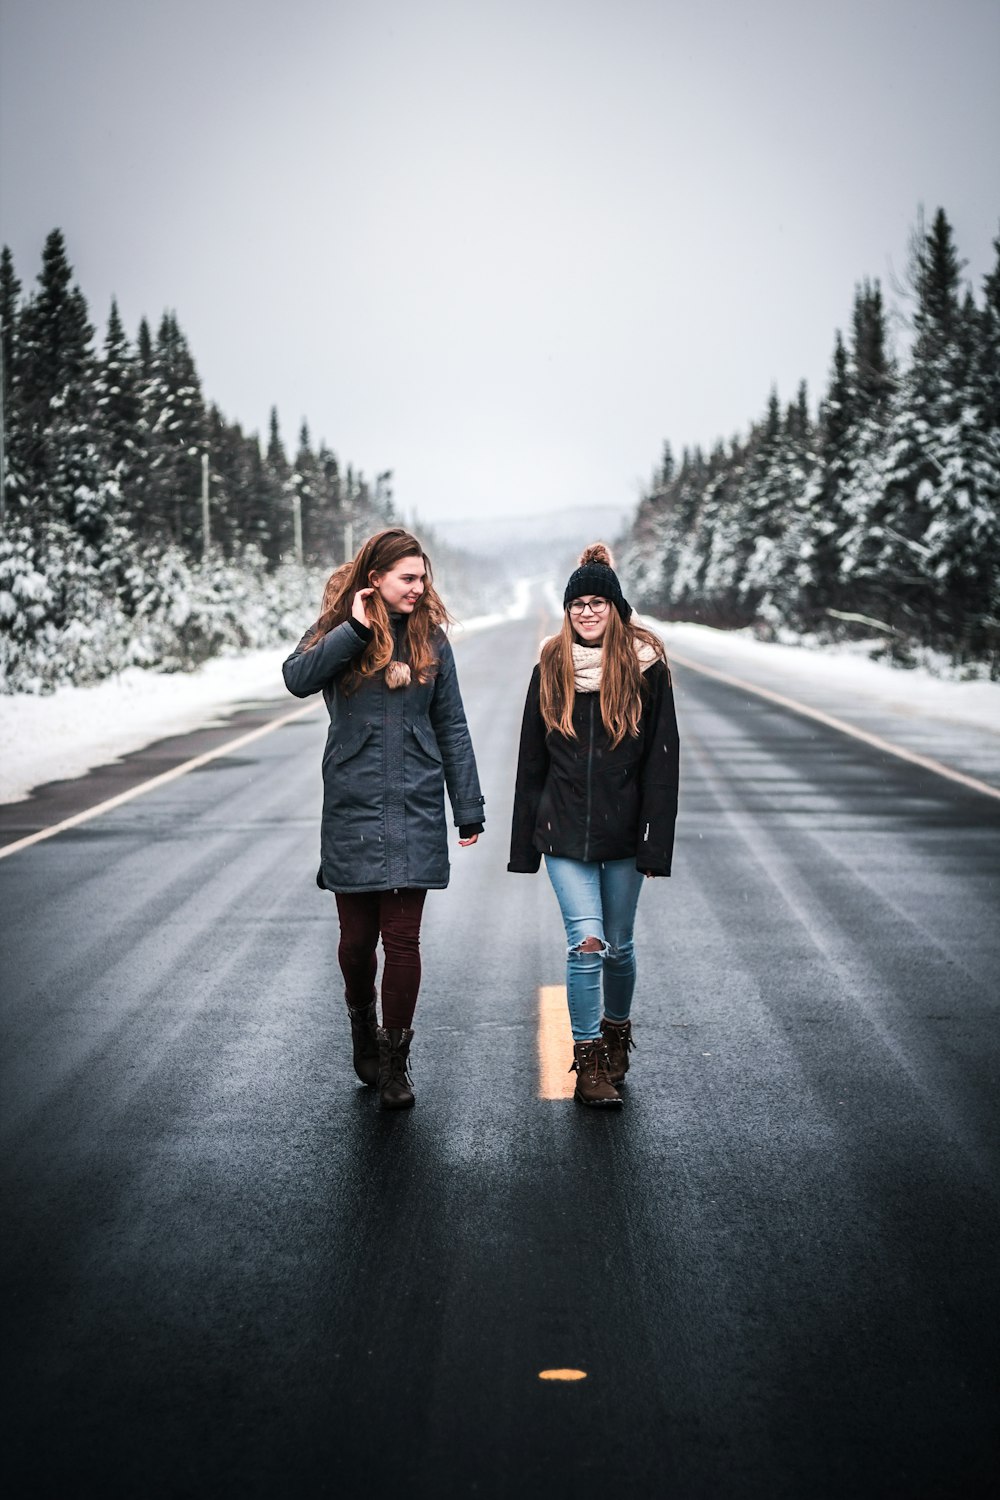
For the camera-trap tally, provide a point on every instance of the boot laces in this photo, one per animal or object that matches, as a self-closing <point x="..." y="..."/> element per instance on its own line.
<point x="594" y="1061"/>
<point x="397" y="1068"/>
<point x="619" y="1035"/>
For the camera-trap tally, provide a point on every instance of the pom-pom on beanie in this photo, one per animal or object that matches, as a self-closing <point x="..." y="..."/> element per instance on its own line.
<point x="596" y="575"/>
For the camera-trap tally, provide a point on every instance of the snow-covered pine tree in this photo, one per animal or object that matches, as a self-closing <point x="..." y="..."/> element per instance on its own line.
<point x="53" y="367"/>
<point x="10" y="303"/>
<point x="279" y="474"/>
<point x="940" y="492"/>
<point x="10" y="307"/>
<point x="721" y="541"/>
<point x="302" y="487"/>
<point x="825" y="499"/>
<point x="117" y="404"/>
<point x="327" y="541"/>
<point x="988" y="364"/>
<point x="173" y="412"/>
<point x="765" y="512"/>
<point x="143" y="352"/>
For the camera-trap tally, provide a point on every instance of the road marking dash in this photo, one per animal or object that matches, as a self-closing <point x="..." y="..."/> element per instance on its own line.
<point x="555" y="1044"/>
<point x="155" y="781"/>
<point x="562" y="1374"/>
<point x="875" y="740"/>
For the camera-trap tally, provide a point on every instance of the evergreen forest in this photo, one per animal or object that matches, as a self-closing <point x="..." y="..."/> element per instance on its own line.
<point x="879" y="517"/>
<point x="111" y="450"/>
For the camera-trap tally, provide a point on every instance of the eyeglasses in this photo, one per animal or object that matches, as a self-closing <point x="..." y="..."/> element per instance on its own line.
<point x="580" y="606"/>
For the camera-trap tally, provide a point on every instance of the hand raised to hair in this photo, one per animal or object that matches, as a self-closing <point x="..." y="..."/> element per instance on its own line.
<point x="358" y="609"/>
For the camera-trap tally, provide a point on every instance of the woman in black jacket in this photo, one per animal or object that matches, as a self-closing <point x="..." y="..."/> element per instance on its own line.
<point x="596" y="794"/>
<point x="397" y="738"/>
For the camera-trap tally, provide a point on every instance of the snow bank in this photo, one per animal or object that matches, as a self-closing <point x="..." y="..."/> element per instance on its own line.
<point x="844" y="673"/>
<point x="75" y="729"/>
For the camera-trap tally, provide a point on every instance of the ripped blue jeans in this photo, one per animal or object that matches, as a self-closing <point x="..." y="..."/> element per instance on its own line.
<point x="597" y="900"/>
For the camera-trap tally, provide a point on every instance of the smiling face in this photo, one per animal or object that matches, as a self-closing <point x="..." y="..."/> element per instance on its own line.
<point x="589" y="618"/>
<point x="403" y="584"/>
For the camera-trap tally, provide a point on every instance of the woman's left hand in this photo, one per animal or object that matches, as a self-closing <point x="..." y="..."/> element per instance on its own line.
<point x="464" y="843"/>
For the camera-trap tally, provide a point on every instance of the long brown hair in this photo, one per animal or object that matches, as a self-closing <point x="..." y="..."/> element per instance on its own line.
<point x="379" y="554"/>
<point x="621" y="672"/>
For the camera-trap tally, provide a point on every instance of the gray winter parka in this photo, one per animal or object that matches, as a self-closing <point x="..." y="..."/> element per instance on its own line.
<point x="389" y="754"/>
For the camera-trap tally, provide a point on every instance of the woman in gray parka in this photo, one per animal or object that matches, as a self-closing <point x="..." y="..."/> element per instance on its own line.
<point x="397" y="737"/>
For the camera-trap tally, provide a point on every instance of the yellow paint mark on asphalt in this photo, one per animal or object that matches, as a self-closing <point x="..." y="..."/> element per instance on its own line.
<point x="555" y="1044"/>
<point x="156" y="781"/>
<point x="562" y="1374"/>
<point x="924" y="761"/>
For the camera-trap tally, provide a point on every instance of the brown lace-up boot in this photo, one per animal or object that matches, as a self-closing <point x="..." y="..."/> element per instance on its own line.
<point x="618" y="1040"/>
<point x="395" y="1089"/>
<point x="364" y="1037"/>
<point x="593" y="1083"/>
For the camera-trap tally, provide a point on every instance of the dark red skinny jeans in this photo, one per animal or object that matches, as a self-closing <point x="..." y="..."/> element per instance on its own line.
<point x="395" y="915"/>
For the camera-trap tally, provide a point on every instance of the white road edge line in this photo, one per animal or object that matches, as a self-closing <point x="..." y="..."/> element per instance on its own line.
<point x="842" y="726"/>
<point x="155" y="781"/>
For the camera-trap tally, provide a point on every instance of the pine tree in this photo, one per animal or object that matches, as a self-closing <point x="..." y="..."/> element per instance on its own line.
<point x="765" y="511"/>
<point x="279" y="476"/>
<point x="174" y="421"/>
<point x="10" y="301"/>
<point x="328" y="515"/>
<point x="304" y="483"/>
<point x="823" y="521"/>
<point x="53" y="362"/>
<point x="874" y="377"/>
<point x="144" y="352"/>
<point x="117" y="399"/>
<point x="937" y="491"/>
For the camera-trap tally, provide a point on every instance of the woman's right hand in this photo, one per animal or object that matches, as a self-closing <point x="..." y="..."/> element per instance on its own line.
<point x="358" y="607"/>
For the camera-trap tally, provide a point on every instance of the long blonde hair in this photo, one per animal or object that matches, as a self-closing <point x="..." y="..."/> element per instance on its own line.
<point x="379" y="554"/>
<point x="621" y="673"/>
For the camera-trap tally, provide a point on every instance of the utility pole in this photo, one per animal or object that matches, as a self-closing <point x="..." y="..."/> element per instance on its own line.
<point x="206" y="516"/>
<point x="297" y="522"/>
<point x="3" y="439"/>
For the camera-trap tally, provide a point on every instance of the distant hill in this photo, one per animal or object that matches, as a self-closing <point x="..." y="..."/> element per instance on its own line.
<point x="537" y="542"/>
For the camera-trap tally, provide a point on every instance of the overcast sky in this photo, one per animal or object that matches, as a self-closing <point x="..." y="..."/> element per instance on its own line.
<point x="505" y="247"/>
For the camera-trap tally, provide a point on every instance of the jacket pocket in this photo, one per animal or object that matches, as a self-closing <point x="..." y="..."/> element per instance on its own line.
<point x="351" y="747"/>
<point x="424" y="737"/>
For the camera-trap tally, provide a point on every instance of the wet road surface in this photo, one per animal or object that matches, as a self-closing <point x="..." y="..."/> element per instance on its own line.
<point x="227" y="1274"/>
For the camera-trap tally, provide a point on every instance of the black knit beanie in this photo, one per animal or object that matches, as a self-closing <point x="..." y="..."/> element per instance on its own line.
<point x="595" y="575"/>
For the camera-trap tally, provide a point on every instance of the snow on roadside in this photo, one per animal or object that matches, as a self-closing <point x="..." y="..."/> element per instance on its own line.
<point x="71" y="731"/>
<point x="841" y="671"/>
<point x="75" y="729"/>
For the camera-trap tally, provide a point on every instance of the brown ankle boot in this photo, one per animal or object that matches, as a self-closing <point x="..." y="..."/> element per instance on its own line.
<point x="395" y="1089"/>
<point x="364" y="1037"/>
<point x="593" y="1084"/>
<point x="618" y="1040"/>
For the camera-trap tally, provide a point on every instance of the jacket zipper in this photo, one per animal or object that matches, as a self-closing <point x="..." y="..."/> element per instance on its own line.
<point x="590" y="778"/>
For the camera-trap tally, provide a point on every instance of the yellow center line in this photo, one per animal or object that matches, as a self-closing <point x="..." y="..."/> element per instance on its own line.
<point x="155" y="781"/>
<point x="555" y="1044"/>
<point x="562" y="1374"/>
<point x="876" y="741"/>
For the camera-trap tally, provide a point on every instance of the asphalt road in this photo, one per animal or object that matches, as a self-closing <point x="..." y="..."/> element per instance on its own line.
<point x="227" y="1274"/>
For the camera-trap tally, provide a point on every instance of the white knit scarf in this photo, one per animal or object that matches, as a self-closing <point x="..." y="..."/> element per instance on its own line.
<point x="587" y="663"/>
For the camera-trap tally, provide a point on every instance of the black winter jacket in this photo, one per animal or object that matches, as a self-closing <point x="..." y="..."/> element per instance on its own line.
<point x="580" y="799"/>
